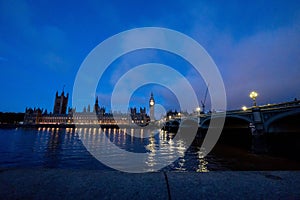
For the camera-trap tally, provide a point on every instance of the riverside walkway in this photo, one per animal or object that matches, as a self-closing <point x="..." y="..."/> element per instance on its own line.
<point x="93" y="184"/>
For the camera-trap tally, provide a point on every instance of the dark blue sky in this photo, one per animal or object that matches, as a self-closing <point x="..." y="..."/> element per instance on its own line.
<point x="255" y="44"/>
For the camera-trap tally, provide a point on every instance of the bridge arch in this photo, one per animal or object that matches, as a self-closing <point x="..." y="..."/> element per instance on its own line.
<point x="244" y="119"/>
<point x="268" y="124"/>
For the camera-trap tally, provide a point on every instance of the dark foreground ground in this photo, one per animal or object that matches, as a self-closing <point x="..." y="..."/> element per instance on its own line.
<point x="81" y="184"/>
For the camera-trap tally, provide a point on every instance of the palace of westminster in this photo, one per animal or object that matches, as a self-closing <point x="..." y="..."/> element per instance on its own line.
<point x="97" y="115"/>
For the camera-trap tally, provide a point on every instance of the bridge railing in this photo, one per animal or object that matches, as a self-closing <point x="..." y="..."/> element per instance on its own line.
<point x="291" y="104"/>
<point x="270" y="107"/>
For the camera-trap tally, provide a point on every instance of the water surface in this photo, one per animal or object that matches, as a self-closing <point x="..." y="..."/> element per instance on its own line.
<point x="63" y="148"/>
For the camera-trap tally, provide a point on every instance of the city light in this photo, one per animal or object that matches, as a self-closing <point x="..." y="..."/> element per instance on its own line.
<point x="244" y="108"/>
<point x="253" y="96"/>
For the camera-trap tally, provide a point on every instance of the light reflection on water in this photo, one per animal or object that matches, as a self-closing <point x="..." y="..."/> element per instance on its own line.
<point x="159" y="146"/>
<point x="62" y="148"/>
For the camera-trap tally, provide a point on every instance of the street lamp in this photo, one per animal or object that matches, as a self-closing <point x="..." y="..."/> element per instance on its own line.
<point x="253" y="96"/>
<point x="244" y="108"/>
<point x="198" y="109"/>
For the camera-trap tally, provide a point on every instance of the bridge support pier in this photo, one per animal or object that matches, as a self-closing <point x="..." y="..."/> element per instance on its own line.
<point x="257" y="127"/>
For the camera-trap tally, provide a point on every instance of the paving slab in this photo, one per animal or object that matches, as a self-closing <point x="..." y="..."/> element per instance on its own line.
<point x="80" y="184"/>
<point x="235" y="185"/>
<point x="93" y="184"/>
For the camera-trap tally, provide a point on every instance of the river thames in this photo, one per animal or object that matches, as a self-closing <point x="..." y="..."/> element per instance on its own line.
<point x="63" y="149"/>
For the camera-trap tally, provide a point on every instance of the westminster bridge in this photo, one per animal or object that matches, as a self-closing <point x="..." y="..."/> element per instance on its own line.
<point x="271" y="118"/>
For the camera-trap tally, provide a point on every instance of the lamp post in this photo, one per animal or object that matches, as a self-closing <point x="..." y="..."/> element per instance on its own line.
<point x="253" y="96"/>
<point x="179" y="114"/>
<point x="198" y="109"/>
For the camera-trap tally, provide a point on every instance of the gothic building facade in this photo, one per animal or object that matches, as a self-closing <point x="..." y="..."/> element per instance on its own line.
<point x="96" y="115"/>
<point x="60" y="103"/>
<point x="139" y="118"/>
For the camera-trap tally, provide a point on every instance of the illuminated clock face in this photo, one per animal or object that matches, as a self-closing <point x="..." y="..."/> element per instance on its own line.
<point x="151" y="103"/>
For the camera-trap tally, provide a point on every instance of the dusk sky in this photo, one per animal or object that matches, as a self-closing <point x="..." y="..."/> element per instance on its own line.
<point x="255" y="45"/>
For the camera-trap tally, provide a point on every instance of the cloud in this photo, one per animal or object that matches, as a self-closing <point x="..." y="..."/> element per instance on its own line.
<point x="262" y="56"/>
<point x="255" y="46"/>
<point x="267" y="62"/>
<point x="41" y="44"/>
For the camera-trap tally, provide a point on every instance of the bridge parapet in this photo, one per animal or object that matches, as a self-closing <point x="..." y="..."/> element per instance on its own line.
<point x="291" y="104"/>
<point x="258" y="117"/>
<point x="272" y="112"/>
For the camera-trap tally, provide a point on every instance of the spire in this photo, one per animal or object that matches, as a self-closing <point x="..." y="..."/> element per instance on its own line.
<point x="96" y="106"/>
<point x="96" y="100"/>
<point x="63" y="91"/>
<point x="151" y="97"/>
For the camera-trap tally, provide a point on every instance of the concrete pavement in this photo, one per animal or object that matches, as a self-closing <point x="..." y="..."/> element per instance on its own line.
<point x="90" y="184"/>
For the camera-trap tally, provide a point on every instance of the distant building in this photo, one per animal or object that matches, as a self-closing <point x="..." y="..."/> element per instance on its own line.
<point x="140" y="118"/>
<point x="60" y="103"/>
<point x="97" y="109"/>
<point x="173" y="115"/>
<point x="97" y="116"/>
<point x="32" y="115"/>
<point x="38" y="116"/>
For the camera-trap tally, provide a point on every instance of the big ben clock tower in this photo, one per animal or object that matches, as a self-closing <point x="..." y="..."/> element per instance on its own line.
<point x="151" y="105"/>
